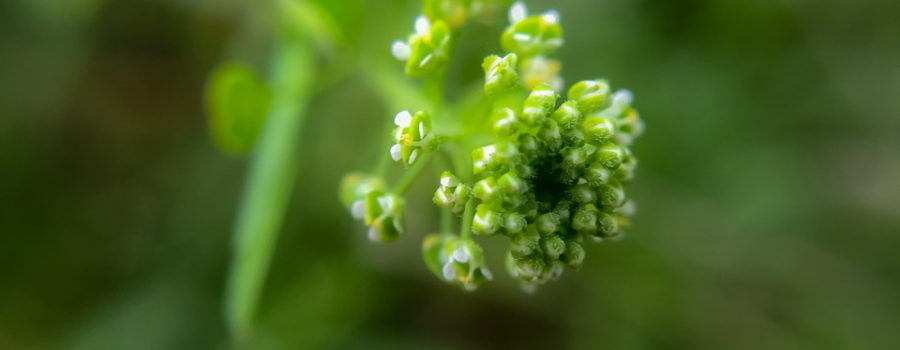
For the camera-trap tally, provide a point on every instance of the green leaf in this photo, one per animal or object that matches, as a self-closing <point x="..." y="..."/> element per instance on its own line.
<point x="237" y="102"/>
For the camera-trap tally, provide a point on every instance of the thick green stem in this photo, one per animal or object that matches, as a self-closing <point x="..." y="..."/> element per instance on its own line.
<point x="269" y="185"/>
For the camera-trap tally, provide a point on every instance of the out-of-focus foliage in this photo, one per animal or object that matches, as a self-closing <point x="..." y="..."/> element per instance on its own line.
<point x="769" y="201"/>
<point x="237" y="101"/>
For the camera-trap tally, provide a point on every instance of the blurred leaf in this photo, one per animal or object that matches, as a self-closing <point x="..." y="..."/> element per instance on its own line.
<point x="237" y="101"/>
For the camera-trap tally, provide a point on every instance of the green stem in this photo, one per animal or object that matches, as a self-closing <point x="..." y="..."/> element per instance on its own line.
<point x="468" y="215"/>
<point x="412" y="174"/>
<point x="269" y="185"/>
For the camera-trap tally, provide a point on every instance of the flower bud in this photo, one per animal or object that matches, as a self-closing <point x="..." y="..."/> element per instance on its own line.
<point x="456" y="260"/>
<point x="499" y="73"/>
<point x="493" y="157"/>
<point x="567" y="115"/>
<point x="547" y="223"/>
<point x="413" y="135"/>
<point x="425" y="52"/>
<point x="486" y="220"/>
<point x="486" y="189"/>
<point x="591" y="95"/>
<point x="505" y="122"/>
<point x="550" y="135"/>
<point x="608" y="225"/>
<point x="574" y="254"/>
<point x="596" y="174"/>
<point x="532" y="36"/>
<point x="612" y="195"/>
<point x="454" y="12"/>
<point x="583" y="193"/>
<point x="610" y="155"/>
<point x="538" y="105"/>
<point x="585" y="219"/>
<point x="384" y="216"/>
<point x="524" y="244"/>
<point x="553" y="246"/>
<point x="538" y="70"/>
<point x="451" y="193"/>
<point x="598" y="129"/>
<point x="625" y="172"/>
<point x="355" y="186"/>
<point x="515" y="223"/>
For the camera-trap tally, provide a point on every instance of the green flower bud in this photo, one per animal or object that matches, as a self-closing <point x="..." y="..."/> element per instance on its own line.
<point x="425" y="52"/>
<point x="553" y="246"/>
<point x="574" y="255"/>
<point x="610" y="155"/>
<point x="530" y="268"/>
<point x="531" y="36"/>
<point x="541" y="70"/>
<point x="567" y="115"/>
<point x="499" y="73"/>
<point x="625" y="172"/>
<point x="486" y="189"/>
<point x="413" y="135"/>
<point x="591" y="95"/>
<point x="505" y="122"/>
<point x="585" y="219"/>
<point x="548" y="223"/>
<point x="384" y="216"/>
<point x="575" y="156"/>
<point x="524" y="245"/>
<point x="574" y="137"/>
<point x="538" y="105"/>
<point x="550" y="135"/>
<point x="597" y="174"/>
<point x="583" y="193"/>
<point x="493" y="157"/>
<point x="514" y="223"/>
<point x="598" y="129"/>
<point x="486" y="221"/>
<point x="608" y="225"/>
<point x="511" y="185"/>
<point x="630" y="127"/>
<point x="612" y="195"/>
<point x="529" y="146"/>
<point x="355" y="186"/>
<point x="563" y="211"/>
<point x="453" y="12"/>
<point x="451" y="193"/>
<point x="456" y="261"/>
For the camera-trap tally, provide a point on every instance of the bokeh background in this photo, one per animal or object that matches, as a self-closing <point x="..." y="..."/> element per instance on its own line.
<point x="768" y="190"/>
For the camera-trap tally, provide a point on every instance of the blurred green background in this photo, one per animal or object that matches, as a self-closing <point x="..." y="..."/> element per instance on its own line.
<point x="768" y="190"/>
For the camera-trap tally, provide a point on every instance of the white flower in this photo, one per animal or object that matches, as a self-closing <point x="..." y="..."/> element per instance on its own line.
<point x="517" y="12"/>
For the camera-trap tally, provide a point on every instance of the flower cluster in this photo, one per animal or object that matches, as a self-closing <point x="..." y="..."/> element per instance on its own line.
<point x="549" y="170"/>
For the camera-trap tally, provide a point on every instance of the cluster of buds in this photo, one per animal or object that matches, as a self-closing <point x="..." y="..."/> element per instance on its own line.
<point x="456" y="260"/>
<point x="554" y="178"/>
<point x="549" y="174"/>
<point x="367" y="200"/>
<point x="413" y="136"/>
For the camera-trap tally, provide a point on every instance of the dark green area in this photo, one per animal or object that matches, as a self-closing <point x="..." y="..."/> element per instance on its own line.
<point x="768" y="188"/>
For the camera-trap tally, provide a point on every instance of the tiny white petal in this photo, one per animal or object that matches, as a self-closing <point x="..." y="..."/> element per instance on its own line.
<point x="395" y="152"/>
<point x="401" y="50"/>
<point x="517" y="12"/>
<point x="449" y="271"/>
<point x="623" y="96"/>
<point x="542" y="93"/>
<point x="487" y="273"/>
<point x="403" y="119"/>
<point x="461" y="254"/>
<point x="413" y="156"/>
<point x="373" y="234"/>
<point x="423" y="26"/>
<point x="358" y="209"/>
<point x="422" y="130"/>
<point x="551" y="17"/>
